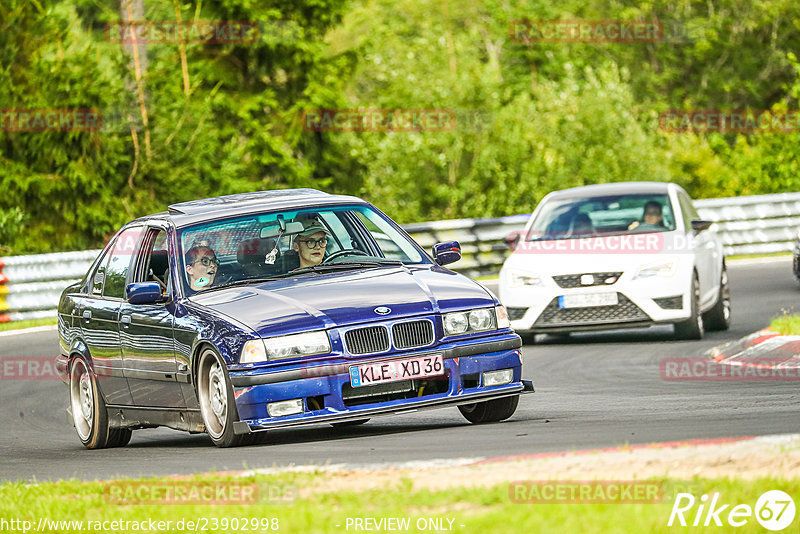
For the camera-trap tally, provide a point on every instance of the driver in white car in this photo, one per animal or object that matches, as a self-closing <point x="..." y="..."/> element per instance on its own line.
<point x="310" y="243"/>
<point x="652" y="219"/>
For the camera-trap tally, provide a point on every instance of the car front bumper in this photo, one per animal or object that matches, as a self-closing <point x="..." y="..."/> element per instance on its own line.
<point x="463" y="363"/>
<point x="640" y="303"/>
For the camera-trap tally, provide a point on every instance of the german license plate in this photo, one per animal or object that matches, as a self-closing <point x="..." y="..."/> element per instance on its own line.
<point x="394" y="370"/>
<point x="584" y="300"/>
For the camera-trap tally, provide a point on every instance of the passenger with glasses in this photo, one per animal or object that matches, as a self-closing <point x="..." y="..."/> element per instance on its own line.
<point x="201" y="265"/>
<point x="310" y="243"/>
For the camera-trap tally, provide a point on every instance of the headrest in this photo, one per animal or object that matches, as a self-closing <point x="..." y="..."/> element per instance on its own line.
<point x="254" y="250"/>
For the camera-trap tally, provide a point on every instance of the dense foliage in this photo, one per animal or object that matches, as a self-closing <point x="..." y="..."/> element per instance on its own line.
<point x="188" y="120"/>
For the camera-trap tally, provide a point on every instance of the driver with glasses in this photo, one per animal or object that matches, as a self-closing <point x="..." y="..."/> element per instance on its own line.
<point x="201" y="266"/>
<point x="310" y="243"/>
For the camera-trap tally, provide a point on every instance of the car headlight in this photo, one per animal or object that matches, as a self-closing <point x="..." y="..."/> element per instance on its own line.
<point x="658" y="269"/>
<point x="307" y="344"/>
<point x="469" y="321"/>
<point x="524" y="279"/>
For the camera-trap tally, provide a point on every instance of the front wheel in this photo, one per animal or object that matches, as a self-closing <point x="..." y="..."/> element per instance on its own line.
<point x="692" y="328"/>
<point x="719" y="317"/>
<point x="88" y="408"/>
<point x="490" y="411"/>
<point x="217" y="404"/>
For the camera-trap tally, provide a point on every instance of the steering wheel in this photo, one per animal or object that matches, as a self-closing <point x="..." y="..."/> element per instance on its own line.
<point x="345" y="252"/>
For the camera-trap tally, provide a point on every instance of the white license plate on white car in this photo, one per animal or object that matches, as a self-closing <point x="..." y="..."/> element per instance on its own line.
<point x="395" y="370"/>
<point x="585" y="300"/>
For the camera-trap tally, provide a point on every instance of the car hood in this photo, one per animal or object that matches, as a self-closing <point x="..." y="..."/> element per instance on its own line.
<point x="316" y="301"/>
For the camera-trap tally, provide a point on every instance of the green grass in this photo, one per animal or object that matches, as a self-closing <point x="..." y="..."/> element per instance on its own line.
<point x="786" y="325"/>
<point x="28" y="323"/>
<point x="763" y="255"/>
<point x="478" y="510"/>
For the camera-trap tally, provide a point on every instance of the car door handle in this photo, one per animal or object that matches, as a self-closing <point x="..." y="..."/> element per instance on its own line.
<point x="87" y="315"/>
<point x="125" y="320"/>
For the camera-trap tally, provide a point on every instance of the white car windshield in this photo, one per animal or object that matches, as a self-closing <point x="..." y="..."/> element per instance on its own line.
<point x="597" y="216"/>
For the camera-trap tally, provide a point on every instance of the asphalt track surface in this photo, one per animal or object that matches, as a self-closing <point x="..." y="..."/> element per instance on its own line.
<point x="592" y="390"/>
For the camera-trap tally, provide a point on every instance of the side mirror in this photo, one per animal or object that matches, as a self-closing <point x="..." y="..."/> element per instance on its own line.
<point x="699" y="225"/>
<point x="513" y="239"/>
<point x="143" y="293"/>
<point x="447" y="252"/>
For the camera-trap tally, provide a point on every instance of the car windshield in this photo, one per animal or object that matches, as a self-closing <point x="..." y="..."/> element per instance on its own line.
<point x="273" y="245"/>
<point x="597" y="216"/>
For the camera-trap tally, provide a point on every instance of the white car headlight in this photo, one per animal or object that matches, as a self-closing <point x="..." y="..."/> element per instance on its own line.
<point x="253" y="352"/>
<point x="517" y="279"/>
<point x="469" y="321"/>
<point x="307" y="344"/>
<point x="658" y="269"/>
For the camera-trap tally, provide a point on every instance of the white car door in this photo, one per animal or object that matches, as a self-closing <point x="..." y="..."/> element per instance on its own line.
<point x="706" y="252"/>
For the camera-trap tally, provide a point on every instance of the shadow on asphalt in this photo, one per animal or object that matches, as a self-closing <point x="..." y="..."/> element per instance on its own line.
<point x="655" y="334"/>
<point x="331" y="434"/>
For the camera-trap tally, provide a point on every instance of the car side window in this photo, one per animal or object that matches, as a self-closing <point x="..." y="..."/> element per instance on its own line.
<point x="99" y="276"/>
<point x="387" y="238"/>
<point x="154" y="261"/>
<point x="687" y="210"/>
<point x="120" y="261"/>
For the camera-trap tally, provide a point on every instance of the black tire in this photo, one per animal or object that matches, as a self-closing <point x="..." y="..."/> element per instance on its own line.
<point x="345" y="424"/>
<point x="528" y="338"/>
<point x="119" y="437"/>
<point x="490" y="411"/>
<point x="692" y="328"/>
<point x="88" y="407"/>
<point x="719" y="317"/>
<point x="217" y="404"/>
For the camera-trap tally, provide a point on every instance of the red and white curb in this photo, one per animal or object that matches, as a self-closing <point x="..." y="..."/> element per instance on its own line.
<point x="762" y="349"/>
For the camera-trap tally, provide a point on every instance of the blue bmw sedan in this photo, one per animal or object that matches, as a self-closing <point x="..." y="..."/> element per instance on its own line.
<point x="239" y="314"/>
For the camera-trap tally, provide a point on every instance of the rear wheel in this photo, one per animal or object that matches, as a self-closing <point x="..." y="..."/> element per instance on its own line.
<point x="692" y="328"/>
<point x="490" y="411"/>
<point x="217" y="404"/>
<point x="719" y="317"/>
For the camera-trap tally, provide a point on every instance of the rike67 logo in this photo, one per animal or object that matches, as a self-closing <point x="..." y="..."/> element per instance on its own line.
<point x="774" y="510"/>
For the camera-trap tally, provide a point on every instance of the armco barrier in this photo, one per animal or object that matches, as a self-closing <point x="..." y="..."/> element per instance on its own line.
<point x="30" y="285"/>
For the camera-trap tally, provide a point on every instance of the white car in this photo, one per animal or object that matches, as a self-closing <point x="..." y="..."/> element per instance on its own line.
<point x="613" y="256"/>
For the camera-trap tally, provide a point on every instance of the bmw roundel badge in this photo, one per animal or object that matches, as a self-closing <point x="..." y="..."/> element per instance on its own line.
<point x="382" y="310"/>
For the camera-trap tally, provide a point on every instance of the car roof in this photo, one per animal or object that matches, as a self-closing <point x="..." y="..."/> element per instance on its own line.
<point x="208" y="209"/>
<point x="617" y="188"/>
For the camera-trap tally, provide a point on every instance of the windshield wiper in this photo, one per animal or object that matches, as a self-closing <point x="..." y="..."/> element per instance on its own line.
<point x="247" y="281"/>
<point x="343" y="266"/>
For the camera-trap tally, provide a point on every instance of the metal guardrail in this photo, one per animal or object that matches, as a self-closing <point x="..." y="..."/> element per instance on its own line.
<point x="31" y="285"/>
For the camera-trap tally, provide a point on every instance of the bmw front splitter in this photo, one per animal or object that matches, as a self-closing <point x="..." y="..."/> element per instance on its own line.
<point x="496" y="392"/>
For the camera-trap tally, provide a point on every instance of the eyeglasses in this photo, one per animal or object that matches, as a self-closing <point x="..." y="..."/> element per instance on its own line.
<point x="206" y="261"/>
<point x="314" y="243"/>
